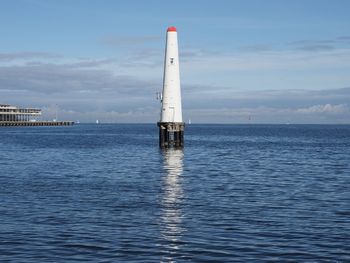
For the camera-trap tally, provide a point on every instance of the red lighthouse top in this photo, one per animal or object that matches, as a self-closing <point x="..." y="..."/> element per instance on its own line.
<point x="172" y="29"/>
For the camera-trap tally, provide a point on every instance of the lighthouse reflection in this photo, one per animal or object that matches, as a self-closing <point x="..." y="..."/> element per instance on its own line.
<point x="171" y="203"/>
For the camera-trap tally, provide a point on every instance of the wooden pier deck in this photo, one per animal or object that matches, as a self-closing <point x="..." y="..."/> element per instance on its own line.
<point x="36" y="123"/>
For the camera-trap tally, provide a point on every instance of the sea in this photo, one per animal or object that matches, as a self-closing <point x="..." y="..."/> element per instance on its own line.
<point x="234" y="193"/>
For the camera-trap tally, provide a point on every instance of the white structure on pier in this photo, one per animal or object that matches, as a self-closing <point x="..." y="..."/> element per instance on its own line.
<point x="10" y="113"/>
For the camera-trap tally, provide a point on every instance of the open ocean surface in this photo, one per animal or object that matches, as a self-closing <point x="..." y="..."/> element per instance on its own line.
<point x="235" y="193"/>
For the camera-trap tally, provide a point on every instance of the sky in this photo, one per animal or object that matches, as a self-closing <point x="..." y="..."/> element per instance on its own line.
<point x="241" y="61"/>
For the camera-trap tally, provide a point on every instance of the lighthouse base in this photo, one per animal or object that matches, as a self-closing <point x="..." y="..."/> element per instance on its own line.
<point x="171" y="134"/>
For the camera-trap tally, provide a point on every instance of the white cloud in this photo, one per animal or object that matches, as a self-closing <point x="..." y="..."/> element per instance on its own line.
<point x="117" y="41"/>
<point x="326" y="108"/>
<point x="7" y="57"/>
<point x="89" y="89"/>
<point x="320" y="114"/>
<point x="284" y="59"/>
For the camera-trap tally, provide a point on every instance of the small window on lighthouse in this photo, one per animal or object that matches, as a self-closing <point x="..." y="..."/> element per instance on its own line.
<point x="171" y="60"/>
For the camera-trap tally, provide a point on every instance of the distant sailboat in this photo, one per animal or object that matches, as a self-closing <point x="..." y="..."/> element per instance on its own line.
<point x="97" y="121"/>
<point x="189" y="121"/>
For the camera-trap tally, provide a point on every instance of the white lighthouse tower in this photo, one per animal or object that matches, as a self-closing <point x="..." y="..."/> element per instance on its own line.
<point x="171" y="126"/>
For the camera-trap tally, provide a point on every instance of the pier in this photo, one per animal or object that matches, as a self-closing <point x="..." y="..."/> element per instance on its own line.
<point x="36" y="123"/>
<point x="14" y="116"/>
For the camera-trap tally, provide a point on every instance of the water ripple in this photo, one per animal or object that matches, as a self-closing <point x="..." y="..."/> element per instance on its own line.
<point x="105" y="193"/>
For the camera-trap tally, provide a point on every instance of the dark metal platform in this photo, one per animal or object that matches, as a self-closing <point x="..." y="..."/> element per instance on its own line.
<point x="171" y="134"/>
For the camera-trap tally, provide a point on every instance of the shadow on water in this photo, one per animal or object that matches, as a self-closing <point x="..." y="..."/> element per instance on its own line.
<point x="171" y="217"/>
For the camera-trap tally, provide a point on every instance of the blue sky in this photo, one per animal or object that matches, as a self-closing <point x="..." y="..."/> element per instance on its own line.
<point x="241" y="61"/>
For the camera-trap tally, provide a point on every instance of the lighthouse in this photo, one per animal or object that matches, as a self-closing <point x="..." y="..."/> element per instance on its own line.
<point x="171" y="126"/>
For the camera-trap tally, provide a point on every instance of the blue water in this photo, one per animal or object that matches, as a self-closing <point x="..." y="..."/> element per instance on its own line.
<point x="106" y="193"/>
